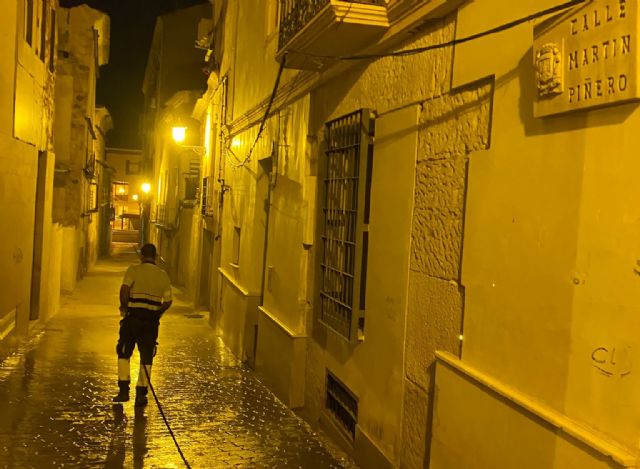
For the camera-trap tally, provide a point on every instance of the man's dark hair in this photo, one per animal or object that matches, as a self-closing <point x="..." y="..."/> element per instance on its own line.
<point x="148" y="251"/>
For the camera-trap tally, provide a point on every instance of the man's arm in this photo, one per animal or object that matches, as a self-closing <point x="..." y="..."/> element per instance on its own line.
<point x="165" y="306"/>
<point x="124" y="298"/>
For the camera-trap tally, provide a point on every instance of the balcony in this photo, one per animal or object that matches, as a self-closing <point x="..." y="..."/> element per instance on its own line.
<point x="311" y="28"/>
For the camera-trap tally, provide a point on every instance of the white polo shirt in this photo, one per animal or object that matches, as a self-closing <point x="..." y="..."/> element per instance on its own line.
<point x="149" y="286"/>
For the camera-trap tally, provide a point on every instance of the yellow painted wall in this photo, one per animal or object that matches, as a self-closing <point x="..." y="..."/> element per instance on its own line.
<point x="510" y="436"/>
<point x="286" y="271"/>
<point x="391" y="371"/>
<point x="550" y="245"/>
<point x="25" y="122"/>
<point x="75" y="97"/>
<point x="250" y="45"/>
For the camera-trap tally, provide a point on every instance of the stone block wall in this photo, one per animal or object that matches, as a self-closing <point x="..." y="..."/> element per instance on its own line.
<point x="451" y="127"/>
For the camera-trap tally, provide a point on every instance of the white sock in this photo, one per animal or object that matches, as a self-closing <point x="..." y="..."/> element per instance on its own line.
<point x="142" y="377"/>
<point x="123" y="370"/>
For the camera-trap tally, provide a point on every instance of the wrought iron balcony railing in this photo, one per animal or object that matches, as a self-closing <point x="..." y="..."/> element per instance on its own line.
<point x="296" y="14"/>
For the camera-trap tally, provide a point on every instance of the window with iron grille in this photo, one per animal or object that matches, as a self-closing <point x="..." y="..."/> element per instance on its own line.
<point x="206" y="204"/>
<point x="160" y="214"/>
<point x="342" y="405"/>
<point x="190" y="188"/>
<point x="91" y="204"/>
<point x="52" y="42"/>
<point x="348" y="163"/>
<point x="192" y="181"/>
<point x="43" y="30"/>
<point x="236" y="246"/>
<point x="132" y="167"/>
<point x="28" y="22"/>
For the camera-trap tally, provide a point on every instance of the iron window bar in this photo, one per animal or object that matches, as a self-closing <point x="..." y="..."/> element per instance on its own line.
<point x="346" y="187"/>
<point x="296" y="14"/>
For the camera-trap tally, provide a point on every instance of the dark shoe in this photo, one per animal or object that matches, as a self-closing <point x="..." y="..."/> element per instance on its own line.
<point x="141" y="396"/>
<point x="123" y="395"/>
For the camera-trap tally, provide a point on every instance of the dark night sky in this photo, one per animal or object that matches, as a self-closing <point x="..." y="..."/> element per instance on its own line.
<point x="120" y="83"/>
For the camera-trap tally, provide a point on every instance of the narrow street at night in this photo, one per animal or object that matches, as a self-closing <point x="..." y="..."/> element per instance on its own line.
<point x="56" y="390"/>
<point x="376" y="234"/>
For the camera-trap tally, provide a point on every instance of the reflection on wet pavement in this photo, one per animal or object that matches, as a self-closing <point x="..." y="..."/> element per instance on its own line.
<point x="56" y="389"/>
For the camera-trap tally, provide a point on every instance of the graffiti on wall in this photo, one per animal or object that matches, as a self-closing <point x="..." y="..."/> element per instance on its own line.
<point x="612" y="361"/>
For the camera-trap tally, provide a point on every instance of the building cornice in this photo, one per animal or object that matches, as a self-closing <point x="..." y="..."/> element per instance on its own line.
<point x="306" y="81"/>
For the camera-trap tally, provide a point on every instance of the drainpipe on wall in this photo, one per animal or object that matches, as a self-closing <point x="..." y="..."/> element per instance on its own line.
<point x="272" y="174"/>
<point x="273" y="158"/>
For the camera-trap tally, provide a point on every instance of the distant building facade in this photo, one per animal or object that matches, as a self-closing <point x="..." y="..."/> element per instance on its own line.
<point x="28" y="254"/>
<point x="127" y="194"/>
<point x="50" y="131"/>
<point x="80" y="131"/>
<point x="172" y="84"/>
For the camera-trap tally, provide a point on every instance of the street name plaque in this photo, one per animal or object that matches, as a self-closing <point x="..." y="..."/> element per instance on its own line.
<point x="586" y="57"/>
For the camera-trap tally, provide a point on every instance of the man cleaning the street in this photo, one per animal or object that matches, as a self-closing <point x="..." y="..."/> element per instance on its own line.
<point x="145" y="295"/>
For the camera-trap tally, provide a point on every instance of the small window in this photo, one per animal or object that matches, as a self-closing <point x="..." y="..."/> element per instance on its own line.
<point x="190" y="188"/>
<point x="236" y="246"/>
<point x="52" y="43"/>
<point x="207" y="197"/>
<point x="92" y="196"/>
<point x="132" y="167"/>
<point x="161" y="214"/>
<point x="43" y="30"/>
<point x="205" y="191"/>
<point x="28" y="22"/>
<point x="121" y="191"/>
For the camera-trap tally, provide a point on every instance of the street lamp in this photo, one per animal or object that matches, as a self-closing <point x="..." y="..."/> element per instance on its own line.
<point x="179" y="134"/>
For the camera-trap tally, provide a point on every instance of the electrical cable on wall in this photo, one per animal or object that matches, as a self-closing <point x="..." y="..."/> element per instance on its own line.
<point x="264" y="120"/>
<point x="402" y="53"/>
<point x="453" y="42"/>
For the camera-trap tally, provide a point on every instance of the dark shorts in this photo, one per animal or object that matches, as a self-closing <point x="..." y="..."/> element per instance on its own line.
<point x="134" y="331"/>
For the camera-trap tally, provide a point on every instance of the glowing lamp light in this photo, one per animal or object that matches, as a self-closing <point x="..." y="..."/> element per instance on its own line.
<point x="179" y="134"/>
<point x="235" y="143"/>
<point x="121" y="190"/>
<point x="135" y="197"/>
<point x="146" y="187"/>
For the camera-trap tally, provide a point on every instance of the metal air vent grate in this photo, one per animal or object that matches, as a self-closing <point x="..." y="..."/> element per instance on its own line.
<point x="342" y="405"/>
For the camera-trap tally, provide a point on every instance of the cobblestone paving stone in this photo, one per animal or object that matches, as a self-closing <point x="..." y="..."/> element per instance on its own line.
<point x="56" y="390"/>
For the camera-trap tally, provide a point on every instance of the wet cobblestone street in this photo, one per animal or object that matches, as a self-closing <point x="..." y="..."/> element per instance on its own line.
<point x="56" y="390"/>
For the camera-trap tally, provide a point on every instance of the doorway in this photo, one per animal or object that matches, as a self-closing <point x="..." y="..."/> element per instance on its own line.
<point x="204" y="298"/>
<point x="38" y="237"/>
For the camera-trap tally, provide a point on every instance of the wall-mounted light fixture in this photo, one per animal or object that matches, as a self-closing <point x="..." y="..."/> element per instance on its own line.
<point x="179" y="135"/>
